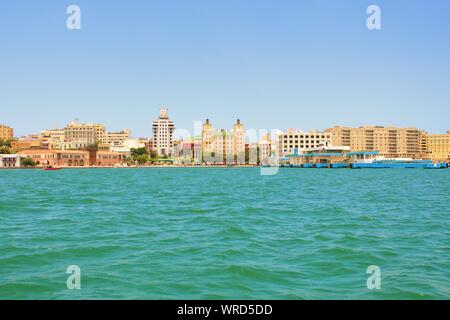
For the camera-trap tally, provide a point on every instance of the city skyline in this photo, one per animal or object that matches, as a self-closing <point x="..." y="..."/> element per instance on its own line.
<point x="313" y="66"/>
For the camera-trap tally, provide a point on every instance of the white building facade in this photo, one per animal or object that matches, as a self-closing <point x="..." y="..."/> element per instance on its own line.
<point x="163" y="129"/>
<point x="301" y="140"/>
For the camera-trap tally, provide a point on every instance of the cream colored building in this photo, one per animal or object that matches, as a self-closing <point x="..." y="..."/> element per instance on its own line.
<point x="265" y="148"/>
<point x="78" y="135"/>
<point x="391" y="142"/>
<point x="85" y="132"/>
<point x="129" y="144"/>
<point x="11" y="160"/>
<point x="117" y="138"/>
<point x="6" y="133"/>
<point x="53" y="134"/>
<point x="439" y="146"/>
<point x="208" y="139"/>
<point x="223" y="146"/>
<point x="301" y="140"/>
<point x="163" y="129"/>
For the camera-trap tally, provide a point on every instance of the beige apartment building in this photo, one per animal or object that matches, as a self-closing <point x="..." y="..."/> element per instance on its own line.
<point x="208" y="139"/>
<point x="294" y="139"/>
<point x="78" y="135"/>
<point x="391" y="142"/>
<point x="223" y="146"/>
<point x="439" y="146"/>
<point x="6" y="133"/>
<point x="53" y="134"/>
<point x="84" y="132"/>
<point x="117" y="138"/>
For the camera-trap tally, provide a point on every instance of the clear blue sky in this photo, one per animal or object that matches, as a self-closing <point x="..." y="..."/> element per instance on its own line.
<point x="274" y="64"/>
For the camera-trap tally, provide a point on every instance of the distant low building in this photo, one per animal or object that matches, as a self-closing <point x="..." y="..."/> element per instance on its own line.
<point x="322" y="155"/>
<point x="439" y="146"/>
<point x="32" y="141"/>
<point x="11" y="160"/>
<point x="74" y="158"/>
<point x="59" y="158"/>
<point x="105" y="158"/>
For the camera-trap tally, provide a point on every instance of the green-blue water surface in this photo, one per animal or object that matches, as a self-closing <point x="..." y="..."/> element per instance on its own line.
<point x="224" y="233"/>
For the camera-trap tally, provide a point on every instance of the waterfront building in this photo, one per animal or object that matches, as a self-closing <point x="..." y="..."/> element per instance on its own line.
<point x="163" y="129"/>
<point x="251" y="153"/>
<point x="74" y="158"/>
<point x="187" y="152"/>
<point x="11" y="160"/>
<point x="320" y="155"/>
<point x="265" y="148"/>
<point x="439" y="146"/>
<point x="59" y="158"/>
<point x="425" y="152"/>
<point x="295" y="139"/>
<point x="390" y="142"/>
<point x="105" y="158"/>
<point x="6" y="133"/>
<point x="223" y="146"/>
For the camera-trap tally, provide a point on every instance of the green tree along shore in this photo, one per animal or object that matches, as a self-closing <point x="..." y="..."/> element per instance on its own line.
<point x="142" y="156"/>
<point x="5" y="147"/>
<point x="28" y="162"/>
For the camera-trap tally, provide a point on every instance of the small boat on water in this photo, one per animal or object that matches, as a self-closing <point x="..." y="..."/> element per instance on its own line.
<point x="50" y="168"/>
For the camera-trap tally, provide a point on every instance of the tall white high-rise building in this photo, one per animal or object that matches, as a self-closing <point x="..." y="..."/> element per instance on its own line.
<point x="163" y="129"/>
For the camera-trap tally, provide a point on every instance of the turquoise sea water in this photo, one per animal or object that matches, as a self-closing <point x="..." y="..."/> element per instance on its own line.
<point x="203" y="233"/>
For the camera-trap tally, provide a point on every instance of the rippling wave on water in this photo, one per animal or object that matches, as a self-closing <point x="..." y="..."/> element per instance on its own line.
<point x="203" y="233"/>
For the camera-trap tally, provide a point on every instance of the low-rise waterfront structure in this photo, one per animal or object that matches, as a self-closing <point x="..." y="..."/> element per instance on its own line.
<point x="59" y="158"/>
<point x="105" y="158"/>
<point x="320" y="155"/>
<point x="438" y="146"/>
<point x="11" y="160"/>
